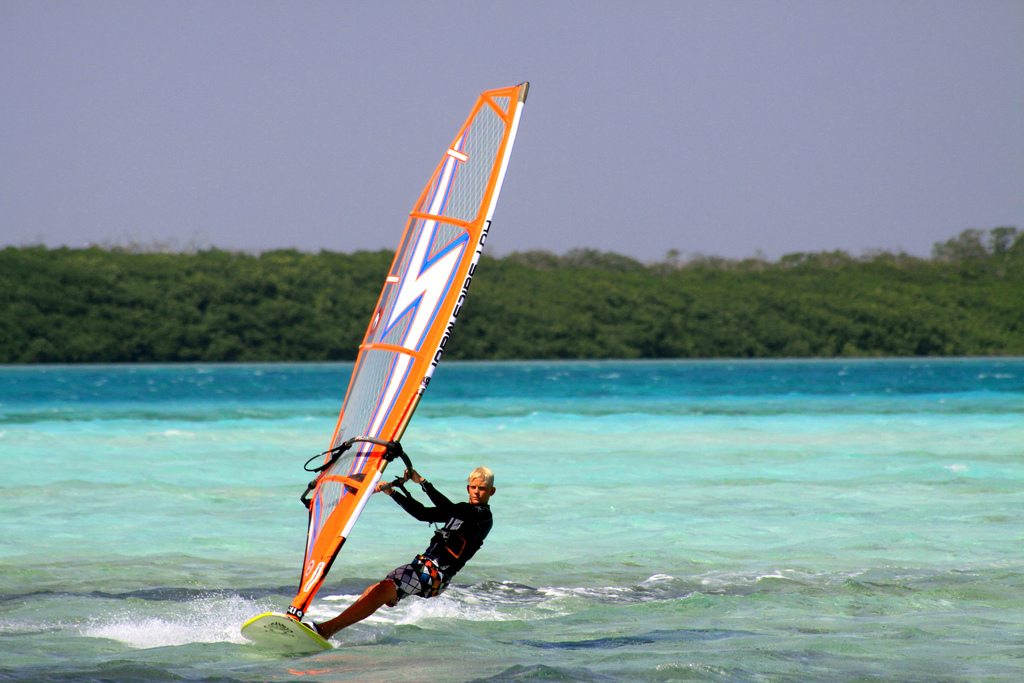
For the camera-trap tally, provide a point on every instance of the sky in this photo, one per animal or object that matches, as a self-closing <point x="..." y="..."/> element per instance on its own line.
<point x="727" y="128"/>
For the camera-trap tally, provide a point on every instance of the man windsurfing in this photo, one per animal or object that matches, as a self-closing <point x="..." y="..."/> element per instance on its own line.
<point x="466" y="525"/>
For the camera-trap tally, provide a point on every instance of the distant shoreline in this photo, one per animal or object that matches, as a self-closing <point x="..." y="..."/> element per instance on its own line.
<point x="98" y="305"/>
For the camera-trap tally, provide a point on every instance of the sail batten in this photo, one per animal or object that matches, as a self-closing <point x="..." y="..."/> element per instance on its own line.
<point x="411" y="323"/>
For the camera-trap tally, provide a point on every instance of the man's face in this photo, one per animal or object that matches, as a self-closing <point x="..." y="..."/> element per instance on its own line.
<point x="479" y="491"/>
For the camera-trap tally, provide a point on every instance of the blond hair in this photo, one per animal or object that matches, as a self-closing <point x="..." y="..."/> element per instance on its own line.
<point x="482" y="473"/>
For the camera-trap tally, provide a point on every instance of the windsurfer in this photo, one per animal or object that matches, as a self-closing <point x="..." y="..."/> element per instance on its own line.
<point x="465" y="527"/>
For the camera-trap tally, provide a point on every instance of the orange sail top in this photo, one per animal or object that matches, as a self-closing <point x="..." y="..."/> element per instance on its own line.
<point x="422" y="295"/>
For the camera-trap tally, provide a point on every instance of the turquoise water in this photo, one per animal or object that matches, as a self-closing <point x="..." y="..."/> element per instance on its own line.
<point x="654" y="521"/>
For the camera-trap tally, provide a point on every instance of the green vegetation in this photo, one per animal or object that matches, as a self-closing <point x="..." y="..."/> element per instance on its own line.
<point x="112" y="305"/>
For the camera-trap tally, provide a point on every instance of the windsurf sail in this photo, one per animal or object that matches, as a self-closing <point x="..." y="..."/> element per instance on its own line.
<point x="410" y="325"/>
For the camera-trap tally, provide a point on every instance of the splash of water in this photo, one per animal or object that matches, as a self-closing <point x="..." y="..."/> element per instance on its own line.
<point x="203" y="620"/>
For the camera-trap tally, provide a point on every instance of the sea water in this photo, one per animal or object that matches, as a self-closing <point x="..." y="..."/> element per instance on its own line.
<point x="654" y="521"/>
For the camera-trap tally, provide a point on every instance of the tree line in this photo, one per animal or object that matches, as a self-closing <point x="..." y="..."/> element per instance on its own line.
<point x="108" y="305"/>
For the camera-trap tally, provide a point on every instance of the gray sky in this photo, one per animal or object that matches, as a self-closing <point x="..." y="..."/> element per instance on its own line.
<point x="708" y="127"/>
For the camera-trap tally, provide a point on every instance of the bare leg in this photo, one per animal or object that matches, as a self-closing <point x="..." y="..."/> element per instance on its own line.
<point x="369" y="602"/>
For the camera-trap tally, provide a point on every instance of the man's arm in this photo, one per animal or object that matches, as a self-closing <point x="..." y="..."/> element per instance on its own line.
<point x="436" y="497"/>
<point x="413" y="506"/>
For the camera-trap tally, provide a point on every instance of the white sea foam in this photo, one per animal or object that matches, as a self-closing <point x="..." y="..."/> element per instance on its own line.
<point x="453" y="604"/>
<point x="599" y="592"/>
<point x="656" y="579"/>
<point x="446" y="606"/>
<point x="179" y="433"/>
<point x="714" y="580"/>
<point x="204" y="620"/>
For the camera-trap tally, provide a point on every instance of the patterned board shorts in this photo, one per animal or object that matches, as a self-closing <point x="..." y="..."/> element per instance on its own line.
<point x="420" y="577"/>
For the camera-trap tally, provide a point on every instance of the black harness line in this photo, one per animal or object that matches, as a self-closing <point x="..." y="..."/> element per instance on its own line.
<point x="393" y="449"/>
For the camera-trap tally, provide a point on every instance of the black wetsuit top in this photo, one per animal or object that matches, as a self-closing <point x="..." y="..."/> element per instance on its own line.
<point x="465" y="527"/>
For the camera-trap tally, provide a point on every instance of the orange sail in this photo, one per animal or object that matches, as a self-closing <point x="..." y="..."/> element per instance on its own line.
<point x="422" y="295"/>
